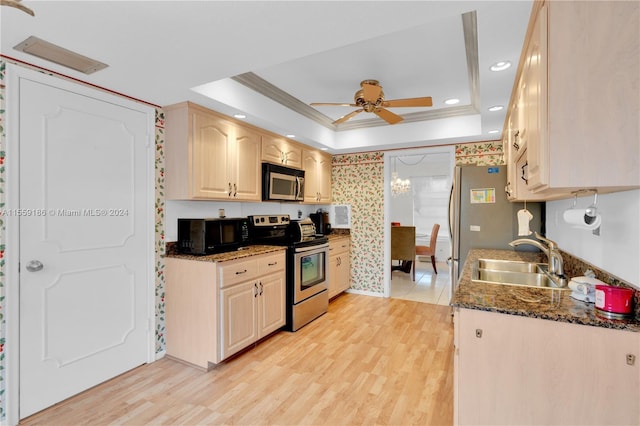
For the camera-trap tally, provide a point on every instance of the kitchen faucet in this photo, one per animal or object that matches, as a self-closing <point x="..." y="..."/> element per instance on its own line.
<point x="554" y="258"/>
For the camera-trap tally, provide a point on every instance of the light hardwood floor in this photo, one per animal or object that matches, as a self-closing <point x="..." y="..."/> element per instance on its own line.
<point x="368" y="361"/>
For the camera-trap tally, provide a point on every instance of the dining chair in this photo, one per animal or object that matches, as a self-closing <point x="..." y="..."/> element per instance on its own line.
<point x="403" y="247"/>
<point x="430" y="250"/>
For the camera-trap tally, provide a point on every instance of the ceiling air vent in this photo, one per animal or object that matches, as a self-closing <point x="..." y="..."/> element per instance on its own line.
<point x="49" y="51"/>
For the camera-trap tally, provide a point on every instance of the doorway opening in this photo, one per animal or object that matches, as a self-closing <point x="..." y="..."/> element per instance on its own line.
<point x="422" y="201"/>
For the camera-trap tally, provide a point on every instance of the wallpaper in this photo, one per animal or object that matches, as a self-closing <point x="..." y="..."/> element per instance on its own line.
<point x="159" y="230"/>
<point x="3" y="142"/>
<point x="358" y="179"/>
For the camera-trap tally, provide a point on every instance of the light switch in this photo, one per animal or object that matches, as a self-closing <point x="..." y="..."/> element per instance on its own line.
<point x="474" y="228"/>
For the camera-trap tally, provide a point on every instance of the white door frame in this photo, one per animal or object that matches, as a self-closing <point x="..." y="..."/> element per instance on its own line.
<point x="12" y="191"/>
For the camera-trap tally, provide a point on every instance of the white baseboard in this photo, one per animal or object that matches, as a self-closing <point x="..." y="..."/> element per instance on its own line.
<point x="365" y="293"/>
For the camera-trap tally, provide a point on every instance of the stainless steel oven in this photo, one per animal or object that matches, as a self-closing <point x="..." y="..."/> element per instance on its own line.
<point x="307" y="264"/>
<point x="309" y="280"/>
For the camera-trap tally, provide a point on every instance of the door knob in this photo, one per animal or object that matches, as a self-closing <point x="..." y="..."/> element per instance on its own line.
<point x="34" y="266"/>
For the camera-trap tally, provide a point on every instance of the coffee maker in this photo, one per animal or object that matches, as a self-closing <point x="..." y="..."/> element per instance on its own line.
<point x="321" y="221"/>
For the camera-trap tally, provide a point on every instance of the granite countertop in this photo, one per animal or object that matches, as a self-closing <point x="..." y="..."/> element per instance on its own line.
<point x="548" y="304"/>
<point x="248" y="251"/>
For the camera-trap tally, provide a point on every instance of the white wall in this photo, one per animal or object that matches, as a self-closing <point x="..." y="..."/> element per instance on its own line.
<point x="206" y="209"/>
<point x="617" y="248"/>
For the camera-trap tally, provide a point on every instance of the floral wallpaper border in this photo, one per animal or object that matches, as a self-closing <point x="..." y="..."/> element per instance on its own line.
<point x="480" y="153"/>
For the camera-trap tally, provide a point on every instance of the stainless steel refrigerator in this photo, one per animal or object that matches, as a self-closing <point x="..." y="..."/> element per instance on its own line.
<point x="480" y="216"/>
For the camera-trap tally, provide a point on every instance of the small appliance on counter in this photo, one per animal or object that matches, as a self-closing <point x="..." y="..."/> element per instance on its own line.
<point x="613" y="302"/>
<point x="584" y="288"/>
<point x="321" y="221"/>
<point x="209" y="236"/>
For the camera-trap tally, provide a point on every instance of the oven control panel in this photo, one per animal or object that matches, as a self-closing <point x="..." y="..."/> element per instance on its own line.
<point x="269" y="220"/>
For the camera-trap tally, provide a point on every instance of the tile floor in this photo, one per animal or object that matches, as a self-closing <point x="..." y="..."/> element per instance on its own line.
<point x="428" y="287"/>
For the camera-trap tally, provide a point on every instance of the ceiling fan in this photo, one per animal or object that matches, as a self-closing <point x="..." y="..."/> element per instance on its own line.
<point x="371" y="99"/>
<point x="17" y="5"/>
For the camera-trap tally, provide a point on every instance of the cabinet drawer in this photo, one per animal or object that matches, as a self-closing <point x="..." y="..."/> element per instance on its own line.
<point x="271" y="263"/>
<point x="235" y="272"/>
<point x="341" y="245"/>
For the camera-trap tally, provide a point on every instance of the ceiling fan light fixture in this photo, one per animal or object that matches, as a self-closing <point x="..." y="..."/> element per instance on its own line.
<point x="496" y="108"/>
<point x="500" y="66"/>
<point x="59" y="55"/>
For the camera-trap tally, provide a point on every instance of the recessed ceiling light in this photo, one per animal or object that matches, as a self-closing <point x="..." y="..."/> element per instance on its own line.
<point x="493" y="131"/>
<point x="500" y="66"/>
<point x="495" y="108"/>
<point x="452" y="101"/>
<point x="324" y="149"/>
<point x="290" y="135"/>
<point x="239" y="116"/>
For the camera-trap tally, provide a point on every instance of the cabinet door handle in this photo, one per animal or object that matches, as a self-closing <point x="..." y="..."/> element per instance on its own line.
<point x="235" y="189"/>
<point x="261" y="288"/>
<point x="229" y="191"/>
<point x="272" y="264"/>
<point x="525" y="166"/>
<point x="255" y="290"/>
<point x="241" y="272"/>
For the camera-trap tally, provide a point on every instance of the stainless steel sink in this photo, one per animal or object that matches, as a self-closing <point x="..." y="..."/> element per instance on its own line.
<point x="508" y="265"/>
<point x="507" y="272"/>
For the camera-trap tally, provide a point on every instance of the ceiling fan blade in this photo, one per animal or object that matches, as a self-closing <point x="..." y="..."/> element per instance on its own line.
<point x="331" y="104"/>
<point x="17" y="5"/>
<point x="371" y="92"/>
<point x="387" y="115"/>
<point x="409" y="102"/>
<point x="348" y="116"/>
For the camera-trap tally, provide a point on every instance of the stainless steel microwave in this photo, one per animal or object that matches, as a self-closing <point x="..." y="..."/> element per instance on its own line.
<point x="281" y="183"/>
<point x="208" y="236"/>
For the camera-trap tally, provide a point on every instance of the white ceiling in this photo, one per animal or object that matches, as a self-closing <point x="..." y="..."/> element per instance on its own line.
<point x="296" y="52"/>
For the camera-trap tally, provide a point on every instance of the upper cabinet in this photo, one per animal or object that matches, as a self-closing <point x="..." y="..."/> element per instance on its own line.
<point x="573" y="117"/>
<point x="209" y="156"/>
<point x="317" y="176"/>
<point x="281" y="151"/>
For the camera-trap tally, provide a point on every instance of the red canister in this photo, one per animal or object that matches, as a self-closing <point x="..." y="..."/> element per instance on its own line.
<point x="617" y="300"/>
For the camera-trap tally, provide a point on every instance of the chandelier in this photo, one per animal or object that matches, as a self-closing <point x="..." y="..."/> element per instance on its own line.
<point x="398" y="186"/>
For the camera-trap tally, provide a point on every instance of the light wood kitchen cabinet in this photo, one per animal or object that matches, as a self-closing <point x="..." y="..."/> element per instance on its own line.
<point x="339" y="265"/>
<point x="209" y="156"/>
<point x="214" y="310"/>
<point x="317" y="176"/>
<point x="510" y="369"/>
<point x="574" y="113"/>
<point x="281" y="151"/>
<point x="252" y="299"/>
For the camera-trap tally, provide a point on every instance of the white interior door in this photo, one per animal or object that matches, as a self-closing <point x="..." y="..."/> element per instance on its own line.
<point x="85" y="244"/>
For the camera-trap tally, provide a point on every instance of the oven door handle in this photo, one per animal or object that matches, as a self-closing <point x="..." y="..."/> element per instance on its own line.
<point x="311" y="248"/>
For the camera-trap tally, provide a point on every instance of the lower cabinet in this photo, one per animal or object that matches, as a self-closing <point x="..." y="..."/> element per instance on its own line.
<point x="517" y="370"/>
<point x="214" y="310"/>
<point x="339" y="265"/>
<point x="252" y="309"/>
